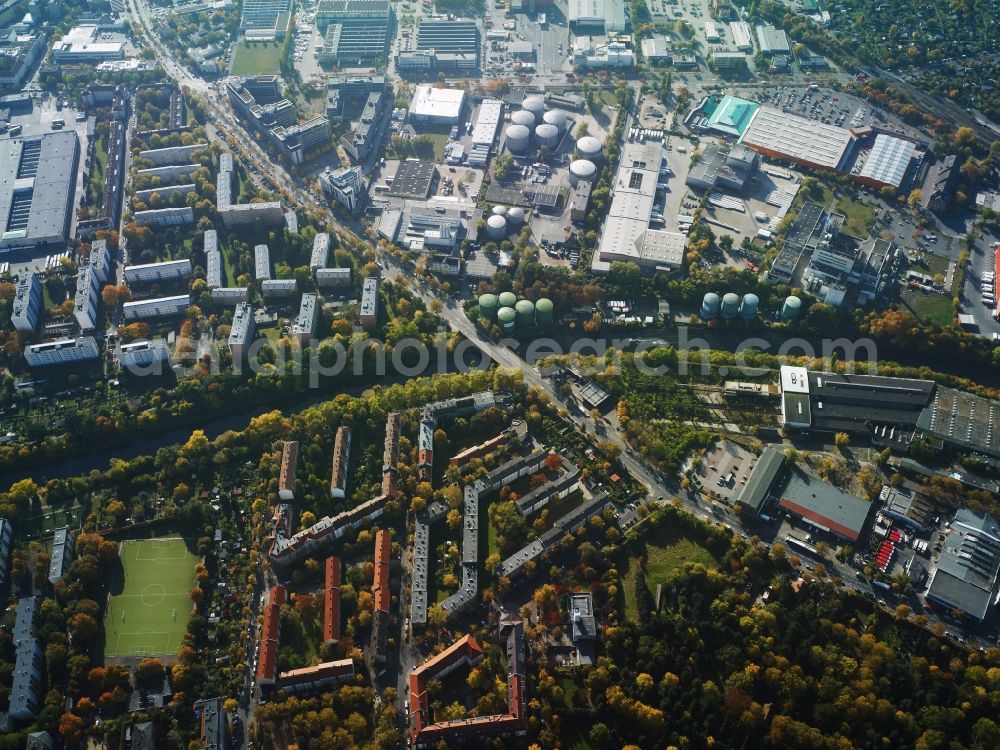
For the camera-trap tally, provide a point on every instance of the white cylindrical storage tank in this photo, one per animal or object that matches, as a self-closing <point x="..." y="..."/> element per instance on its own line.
<point x="523" y="117"/>
<point x="589" y="147"/>
<point x="518" y="138"/>
<point x="709" y="306"/>
<point x="547" y="135"/>
<point x="581" y="169"/>
<point x="535" y="105"/>
<point x="730" y="305"/>
<point x="499" y="210"/>
<point x="749" y="305"/>
<point x="515" y="215"/>
<point x="555" y="117"/>
<point x="496" y="227"/>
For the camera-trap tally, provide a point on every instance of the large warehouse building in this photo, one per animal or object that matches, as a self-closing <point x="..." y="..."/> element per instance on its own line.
<point x="968" y="569"/>
<point x="627" y="235"/>
<point x="37" y="189"/>
<point x="887" y="162"/>
<point x="825" y="507"/>
<point x="597" y="16"/>
<point x="784" y="136"/>
<point x="437" y="106"/>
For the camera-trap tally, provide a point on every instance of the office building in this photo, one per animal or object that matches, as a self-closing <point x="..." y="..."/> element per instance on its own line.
<point x="263" y="16"/>
<point x="21" y="51"/>
<point x="341" y="461"/>
<point x="147" y="357"/>
<point x="356" y="31"/>
<point x="331" y="600"/>
<point x="86" y="299"/>
<point x="437" y="106"/>
<point x="88" y="43"/>
<point x="368" y="314"/>
<point x="158" y="273"/>
<point x="657" y="50"/>
<point x="348" y="96"/>
<point x="304" y="326"/>
<point x="160" y="307"/>
<point x="627" y="234"/>
<point x="164" y="217"/>
<point x="63" y="547"/>
<point x="968" y="567"/>
<point x="345" y="186"/>
<point x="241" y="334"/>
<point x="364" y="139"/>
<point x="37" y="189"/>
<point x="62" y="352"/>
<point x="27" y="310"/>
<point x="382" y="594"/>
<point x="289" y="465"/>
<point x="320" y="255"/>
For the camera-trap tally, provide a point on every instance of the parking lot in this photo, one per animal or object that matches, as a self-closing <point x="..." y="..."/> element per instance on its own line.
<point x="723" y="472"/>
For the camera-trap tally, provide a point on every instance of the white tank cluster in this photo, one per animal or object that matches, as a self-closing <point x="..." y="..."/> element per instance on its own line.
<point x="515" y="216"/>
<point x="589" y="147"/>
<point x="496" y="227"/>
<point x="518" y="138"/>
<point x="535" y="105"/>
<point x="581" y="169"/>
<point x="523" y="117"/>
<point x="555" y="117"/>
<point x="547" y="135"/>
<point x="499" y="210"/>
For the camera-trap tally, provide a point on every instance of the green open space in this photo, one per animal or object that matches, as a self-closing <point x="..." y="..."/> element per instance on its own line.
<point x="149" y="610"/>
<point x="929" y="307"/>
<point x="666" y="551"/>
<point x="256" y="58"/>
<point x="45" y="523"/>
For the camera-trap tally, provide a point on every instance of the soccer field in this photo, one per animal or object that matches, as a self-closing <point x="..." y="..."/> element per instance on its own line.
<point x="151" y="613"/>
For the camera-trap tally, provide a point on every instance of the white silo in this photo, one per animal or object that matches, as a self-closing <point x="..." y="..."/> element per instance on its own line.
<point x="555" y="117"/>
<point x="496" y="227"/>
<point x="581" y="169"/>
<point x="547" y="135"/>
<point x="499" y="210"/>
<point x="589" y="147"/>
<point x="518" y="138"/>
<point x="535" y="105"/>
<point x="523" y="117"/>
<point x="515" y="216"/>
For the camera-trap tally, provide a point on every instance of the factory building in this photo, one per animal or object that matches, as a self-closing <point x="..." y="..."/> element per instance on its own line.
<point x="37" y="189"/>
<point x="597" y="16"/>
<point x="772" y="41"/>
<point x="887" y="162"/>
<point x="446" y="45"/>
<point x="787" y="137"/>
<point x="437" y="106"/>
<point x="967" y="575"/>
<point x="627" y="234"/>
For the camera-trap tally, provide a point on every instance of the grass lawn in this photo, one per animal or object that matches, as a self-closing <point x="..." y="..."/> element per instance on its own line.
<point x="45" y="524"/>
<point x="666" y="551"/>
<point x="859" y="218"/>
<point x="256" y="58"/>
<point x="929" y="306"/>
<point x="149" y="611"/>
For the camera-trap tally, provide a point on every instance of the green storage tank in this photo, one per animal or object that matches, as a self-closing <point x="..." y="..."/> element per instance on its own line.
<point x="488" y="306"/>
<point x="507" y="318"/>
<point x="507" y="299"/>
<point x="543" y="311"/>
<point x="525" y="310"/>
<point x="791" y="309"/>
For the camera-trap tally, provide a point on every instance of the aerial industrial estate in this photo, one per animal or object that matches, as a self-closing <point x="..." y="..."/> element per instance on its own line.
<point x="452" y="374"/>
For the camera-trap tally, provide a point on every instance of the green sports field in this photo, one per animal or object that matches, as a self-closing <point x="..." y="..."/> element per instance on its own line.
<point x="149" y="611"/>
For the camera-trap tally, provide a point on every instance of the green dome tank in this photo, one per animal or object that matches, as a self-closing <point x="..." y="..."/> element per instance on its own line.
<point x="791" y="309"/>
<point x="543" y="311"/>
<point x="488" y="306"/>
<point x="507" y="299"/>
<point x="525" y="310"/>
<point x="507" y="318"/>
